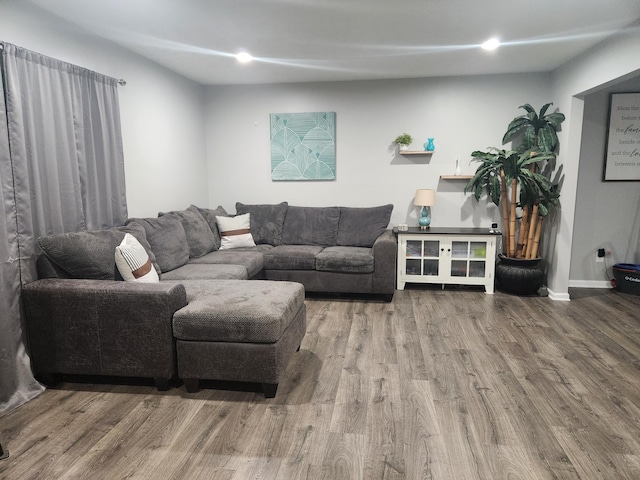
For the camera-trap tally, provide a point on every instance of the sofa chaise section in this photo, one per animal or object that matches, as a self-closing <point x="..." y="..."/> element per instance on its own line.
<point x="102" y="327"/>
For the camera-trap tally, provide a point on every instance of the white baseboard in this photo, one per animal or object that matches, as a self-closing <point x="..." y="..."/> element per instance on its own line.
<point x="590" y="284"/>
<point x="559" y="297"/>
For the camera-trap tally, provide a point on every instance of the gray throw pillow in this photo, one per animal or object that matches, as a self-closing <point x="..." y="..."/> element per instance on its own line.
<point x="359" y="227"/>
<point x="200" y="237"/>
<point x="311" y="226"/>
<point x="209" y="215"/>
<point x="168" y="240"/>
<point x="90" y="254"/>
<point x="266" y="221"/>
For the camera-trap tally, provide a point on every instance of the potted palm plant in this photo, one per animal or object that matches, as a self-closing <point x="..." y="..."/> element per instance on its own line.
<point x="519" y="182"/>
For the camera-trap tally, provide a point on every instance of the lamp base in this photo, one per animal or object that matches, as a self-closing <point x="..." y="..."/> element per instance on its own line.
<point x="425" y="218"/>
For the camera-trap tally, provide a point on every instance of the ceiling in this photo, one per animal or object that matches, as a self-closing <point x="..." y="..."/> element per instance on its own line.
<point x="333" y="40"/>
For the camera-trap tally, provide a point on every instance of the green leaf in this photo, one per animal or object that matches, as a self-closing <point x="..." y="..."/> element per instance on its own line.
<point x="547" y="138"/>
<point x="544" y="109"/>
<point x="528" y="108"/>
<point x="555" y="119"/>
<point x="543" y="210"/>
<point x="529" y="139"/>
<point x="514" y="128"/>
<point x="495" y="189"/>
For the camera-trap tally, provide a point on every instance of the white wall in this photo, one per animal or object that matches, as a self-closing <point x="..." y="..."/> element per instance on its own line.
<point x="162" y="114"/>
<point x="462" y="114"/>
<point x="607" y="213"/>
<point x="604" y="64"/>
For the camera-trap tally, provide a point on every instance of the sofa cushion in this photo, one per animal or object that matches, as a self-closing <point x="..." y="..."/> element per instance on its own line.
<point x="133" y="261"/>
<point x="203" y="271"/>
<point x="311" y="226"/>
<point x="237" y="311"/>
<point x="291" y="257"/>
<point x="359" y="227"/>
<point x="345" y="260"/>
<point x="266" y="221"/>
<point x="235" y="232"/>
<point x="210" y="216"/>
<point x="200" y="237"/>
<point x="168" y="240"/>
<point x="249" y="258"/>
<point x="90" y="254"/>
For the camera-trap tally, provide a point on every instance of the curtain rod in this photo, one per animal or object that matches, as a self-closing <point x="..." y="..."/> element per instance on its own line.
<point x="121" y="81"/>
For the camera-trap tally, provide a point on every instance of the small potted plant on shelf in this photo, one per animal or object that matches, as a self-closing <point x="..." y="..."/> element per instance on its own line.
<point x="403" y="141"/>
<point x="519" y="182"/>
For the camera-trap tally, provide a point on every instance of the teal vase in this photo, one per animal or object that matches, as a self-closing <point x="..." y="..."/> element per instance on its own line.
<point x="429" y="146"/>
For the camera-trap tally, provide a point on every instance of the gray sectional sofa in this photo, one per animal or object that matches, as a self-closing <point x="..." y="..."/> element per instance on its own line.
<point x="327" y="249"/>
<point x="203" y="319"/>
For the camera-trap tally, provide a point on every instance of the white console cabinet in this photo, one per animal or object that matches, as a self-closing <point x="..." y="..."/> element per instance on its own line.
<point x="464" y="256"/>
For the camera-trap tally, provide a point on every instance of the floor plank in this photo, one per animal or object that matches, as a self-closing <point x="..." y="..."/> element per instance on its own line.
<point x="441" y="384"/>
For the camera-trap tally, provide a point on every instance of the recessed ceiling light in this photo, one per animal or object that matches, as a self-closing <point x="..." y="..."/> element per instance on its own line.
<point x="244" y="57"/>
<point x="491" y="44"/>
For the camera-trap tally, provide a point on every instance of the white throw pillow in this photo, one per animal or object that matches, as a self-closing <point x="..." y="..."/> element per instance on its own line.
<point x="235" y="231"/>
<point x="133" y="261"/>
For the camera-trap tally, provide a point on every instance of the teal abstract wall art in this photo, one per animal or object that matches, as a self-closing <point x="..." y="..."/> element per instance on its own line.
<point x="303" y="146"/>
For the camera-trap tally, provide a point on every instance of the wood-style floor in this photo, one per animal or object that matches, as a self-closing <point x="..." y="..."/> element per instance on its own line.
<point x="438" y="384"/>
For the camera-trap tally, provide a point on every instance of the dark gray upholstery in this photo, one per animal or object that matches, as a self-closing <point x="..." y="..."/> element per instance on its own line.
<point x="311" y="226"/>
<point x="291" y="257"/>
<point x="345" y="259"/>
<point x="207" y="271"/>
<point x="168" y="240"/>
<point x="239" y="331"/>
<point x="224" y="327"/>
<point x="102" y="327"/>
<point x="237" y="311"/>
<point x="380" y="281"/>
<point x="89" y="254"/>
<point x="209" y="215"/>
<point x="251" y="260"/>
<point x="200" y="237"/>
<point x="264" y="363"/>
<point x="266" y="221"/>
<point x="360" y="227"/>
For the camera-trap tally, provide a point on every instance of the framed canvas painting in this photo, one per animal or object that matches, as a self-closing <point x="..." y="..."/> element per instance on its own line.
<point x="622" y="158"/>
<point x="303" y="146"/>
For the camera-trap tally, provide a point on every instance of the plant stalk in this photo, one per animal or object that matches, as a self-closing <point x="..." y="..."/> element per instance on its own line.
<point x="532" y="230"/>
<point x="536" y="241"/>
<point x="505" y="209"/>
<point x="512" y="218"/>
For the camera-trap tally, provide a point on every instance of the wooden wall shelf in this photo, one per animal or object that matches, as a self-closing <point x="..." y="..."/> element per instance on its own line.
<point x="415" y="152"/>
<point x="456" y="177"/>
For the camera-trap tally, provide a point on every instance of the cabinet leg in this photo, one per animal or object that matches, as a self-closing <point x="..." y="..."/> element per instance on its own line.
<point x="401" y="285"/>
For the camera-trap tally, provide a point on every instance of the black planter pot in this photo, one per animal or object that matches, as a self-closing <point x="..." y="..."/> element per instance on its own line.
<point x="519" y="276"/>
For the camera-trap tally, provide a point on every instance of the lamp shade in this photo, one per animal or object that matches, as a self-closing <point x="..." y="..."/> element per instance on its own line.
<point x="425" y="197"/>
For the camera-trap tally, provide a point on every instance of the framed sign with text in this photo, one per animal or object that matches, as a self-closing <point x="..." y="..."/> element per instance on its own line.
<point x="622" y="162"/>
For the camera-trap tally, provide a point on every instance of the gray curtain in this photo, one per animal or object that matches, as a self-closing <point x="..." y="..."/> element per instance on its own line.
<point x="62" y="170"/>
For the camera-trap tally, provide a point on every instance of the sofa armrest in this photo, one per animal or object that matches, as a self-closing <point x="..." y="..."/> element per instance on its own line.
<point x="102" y="327"/>
<point x="385" y="251"/>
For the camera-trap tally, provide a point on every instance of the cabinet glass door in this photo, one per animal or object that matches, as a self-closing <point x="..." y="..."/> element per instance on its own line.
<point x="476" y="269"/>
<point x="414" y="248"/>
<point x="468" y="259"/>
<point x="422" y="257"/>
<point x="478" y="250"/>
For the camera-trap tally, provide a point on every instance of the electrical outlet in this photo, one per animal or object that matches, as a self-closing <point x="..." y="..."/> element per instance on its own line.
<point x="599" y="259"/>
<point x="600" y="254"/>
